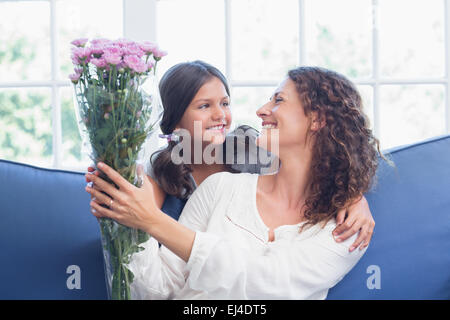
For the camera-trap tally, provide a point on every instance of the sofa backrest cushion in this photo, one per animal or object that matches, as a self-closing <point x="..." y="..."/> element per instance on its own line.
<point x="409" y="256"/>
<point x="50" y="243"/>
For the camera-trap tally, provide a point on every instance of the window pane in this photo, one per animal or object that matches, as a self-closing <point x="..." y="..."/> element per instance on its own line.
<point x="264" y="36"/>
<point x="410" y="113"/>
<point x="24" y="40"/>
<point x="337" y="38"/>
<point x="244" y="103"/>
<point x="86" y="19"/>
<point x="191" y="30"/>
<point x="414" y="45"/>
<point x="366" y="93"/>
<point x="26" y="127"/>
<point x="71" y="141"/>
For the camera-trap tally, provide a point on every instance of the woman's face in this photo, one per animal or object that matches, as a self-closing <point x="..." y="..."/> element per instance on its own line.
<point x="284" y="112"/>
<point x="209" y="113"/>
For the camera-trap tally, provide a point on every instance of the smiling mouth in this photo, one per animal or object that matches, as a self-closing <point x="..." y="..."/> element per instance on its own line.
<point x="269" y="125"/>
<point x="218" y="127"/>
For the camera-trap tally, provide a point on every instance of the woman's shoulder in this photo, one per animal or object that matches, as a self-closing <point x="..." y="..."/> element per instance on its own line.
<point x="322" y="234"/>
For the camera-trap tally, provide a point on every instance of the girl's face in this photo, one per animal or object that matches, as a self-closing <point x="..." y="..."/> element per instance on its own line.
<point x="209" y="112"/>
<point x="284" y="112"/>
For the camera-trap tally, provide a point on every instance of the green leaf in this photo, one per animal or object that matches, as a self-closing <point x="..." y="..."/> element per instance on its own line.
<point x="130" y="154"/>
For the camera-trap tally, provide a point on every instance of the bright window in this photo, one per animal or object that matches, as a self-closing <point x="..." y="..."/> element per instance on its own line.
<point x="401" y="66"/>
<point x="37" y="117"/>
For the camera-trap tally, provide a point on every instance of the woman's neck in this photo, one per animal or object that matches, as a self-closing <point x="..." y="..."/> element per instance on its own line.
<point x="291" y="183"/>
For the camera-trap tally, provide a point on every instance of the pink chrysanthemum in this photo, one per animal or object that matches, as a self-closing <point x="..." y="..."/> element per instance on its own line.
<point x="133" y="50"/>
<point x="113" y="50"/>
<point x="134" y="63"/>
<point x="158" y="53"/>
<point x="80" y="55"/>
<point x="112" y="58"/>
<point x="79" y="42"/>
<point x="99" y="63"/>
<point x="148" y="47"/>
<point x="74" y="77"/>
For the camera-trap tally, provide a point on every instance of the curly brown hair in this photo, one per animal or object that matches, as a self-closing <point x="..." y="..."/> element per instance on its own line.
<point x="344" y="156"/>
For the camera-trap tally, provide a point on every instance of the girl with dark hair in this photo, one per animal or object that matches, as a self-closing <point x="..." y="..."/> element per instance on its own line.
<point x="242" y="236"/>
<point x="193" y="91"/>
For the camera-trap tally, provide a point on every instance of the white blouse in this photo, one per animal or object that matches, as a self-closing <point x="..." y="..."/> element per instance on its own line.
<point x="231" y="256"/>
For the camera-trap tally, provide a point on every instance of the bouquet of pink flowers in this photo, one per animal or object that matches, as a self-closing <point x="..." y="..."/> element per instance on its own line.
<point x="116" y="114"/>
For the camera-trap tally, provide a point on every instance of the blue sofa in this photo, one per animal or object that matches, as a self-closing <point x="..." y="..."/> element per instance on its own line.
<point x="50" y="242"/>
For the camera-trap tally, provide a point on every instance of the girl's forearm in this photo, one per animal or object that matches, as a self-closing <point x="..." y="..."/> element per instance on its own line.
<point x="173" y="235"/>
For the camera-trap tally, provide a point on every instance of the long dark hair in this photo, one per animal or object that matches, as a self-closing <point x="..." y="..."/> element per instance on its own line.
<point x="344" y="158"/>
<point x="178" y="87"/>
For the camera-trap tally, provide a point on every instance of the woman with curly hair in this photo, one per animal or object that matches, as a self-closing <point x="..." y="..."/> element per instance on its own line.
<point x="248" y="236"/>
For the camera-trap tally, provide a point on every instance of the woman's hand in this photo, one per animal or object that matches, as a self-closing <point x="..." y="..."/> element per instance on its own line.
<point x="128" y="205"/>
<point x="359" y="219"/>
<point x="160" y="195"/>
<point x="136" y="208"/>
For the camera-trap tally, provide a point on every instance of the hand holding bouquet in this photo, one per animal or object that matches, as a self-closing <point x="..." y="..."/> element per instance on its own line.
<point x="116" y="114"/>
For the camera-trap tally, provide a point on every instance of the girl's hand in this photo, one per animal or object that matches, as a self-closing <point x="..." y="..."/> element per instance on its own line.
<point x="128" y="205"/>
<point x="91" y="170"/>
<point x="359" y="219"/>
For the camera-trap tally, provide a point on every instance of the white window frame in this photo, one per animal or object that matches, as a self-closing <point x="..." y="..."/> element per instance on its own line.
<point x="140" y="23"/>
<point x="143" y="11"/>
<point x="375" y="81"/>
